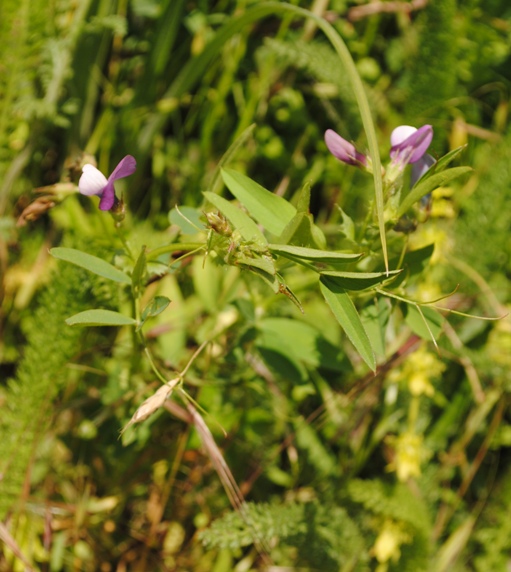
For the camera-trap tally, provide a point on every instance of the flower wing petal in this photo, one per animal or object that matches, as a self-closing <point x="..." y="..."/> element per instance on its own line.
<point x="92" y="181"/>
<point x="108" y="197"/>
<point x="126" y="167"/>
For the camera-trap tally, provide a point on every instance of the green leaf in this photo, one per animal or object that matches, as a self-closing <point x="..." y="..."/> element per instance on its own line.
<point x="155" y="307"/>
<point x="347" y="227"/>
<point x="270" y="279"/>
<point x="241" y="221"/>
<point x="304" y="199"/>
<point x="265" y="264"/>
<point x="303" y="232"/>
<point x="413" y="263"/>
<point x="375" y="318"/>
<point x="100" y="318"/>
<point x="426" y="322"/>
<point x="297" y="230"/>
<point x="298" y="341"/>
<point x="269" y="210"/>
<point x="187" y="219"/>
<point x="312" y="254"/>
<point x="429" y="184"/>
<point x="443" y="162"/>
<point x="346" y="314"/>
<point x="91" y="263"/>
<point x="358" y="280"/>
<point x="139" y="269"/>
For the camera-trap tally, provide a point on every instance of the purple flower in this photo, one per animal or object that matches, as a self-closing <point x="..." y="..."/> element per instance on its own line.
<point x="344" y="150"/>
<point x="93" y="182"/>
<point x="409" y="145"/>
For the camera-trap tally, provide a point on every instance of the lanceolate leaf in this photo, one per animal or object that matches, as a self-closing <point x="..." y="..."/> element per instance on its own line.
<point x="269" y="210"/>
<point x="265" y="264"/>
<point x="346" y="314"/>
<point x="358" y="280"/>
<point x="100" y="318"/>
<point x="443" y="162"/>
<point x="426" y="322"/>
<point x="241" y="221"/>
<point x="139" y="269"/>
<point x="92" y="263"/>
<point x="423" y="187"/>
<point x="312" y="254"/>
<point x="155" y="307"/>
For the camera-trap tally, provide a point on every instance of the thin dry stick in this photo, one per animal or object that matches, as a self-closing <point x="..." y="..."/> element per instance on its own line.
<point x="360" y="12"/>
<point x="466" y="362"/>
<point x="446" y="512"/>
<point x="226" y="477"/>
<point x="5" y="536"/>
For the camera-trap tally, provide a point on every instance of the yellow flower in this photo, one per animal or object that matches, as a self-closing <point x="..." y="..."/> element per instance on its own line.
<point x="407" y="459"/>
<point x="389" y="540"/>
<point x="419" y="384"/>
<point x="417" y="372"/>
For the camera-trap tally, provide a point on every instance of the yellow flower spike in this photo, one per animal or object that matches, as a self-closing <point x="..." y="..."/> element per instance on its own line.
<point x="408" y="453"/>
<point x="419" y="384"/>
<point x="387" y="545"/>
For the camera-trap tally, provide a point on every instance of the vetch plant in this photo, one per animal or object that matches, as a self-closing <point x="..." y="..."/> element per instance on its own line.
<point x="196" y="321"/>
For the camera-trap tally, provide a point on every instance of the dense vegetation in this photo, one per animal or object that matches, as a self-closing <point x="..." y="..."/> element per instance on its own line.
<point x="267" y="350"/>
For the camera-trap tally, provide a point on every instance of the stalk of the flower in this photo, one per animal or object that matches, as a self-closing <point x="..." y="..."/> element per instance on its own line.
<point x="413" y="413"/>
<point x="118" y="228"/>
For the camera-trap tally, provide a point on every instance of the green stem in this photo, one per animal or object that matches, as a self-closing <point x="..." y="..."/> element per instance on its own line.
<point x="157" y="372"/>
<point x="123" y="240"/>
<point x="174" y="247"/>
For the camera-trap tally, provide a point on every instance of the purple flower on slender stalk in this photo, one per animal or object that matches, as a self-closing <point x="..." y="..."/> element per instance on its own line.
<point x="93" y="182"/>
<point x="409" y="145"/>
<point x="344" y="150"/>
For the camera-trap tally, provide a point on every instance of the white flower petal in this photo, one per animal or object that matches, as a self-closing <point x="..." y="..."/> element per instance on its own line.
<point x="92" y="181"/>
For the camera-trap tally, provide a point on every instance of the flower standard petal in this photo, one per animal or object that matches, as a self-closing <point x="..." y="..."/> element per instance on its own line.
<point x="344" y="150"/>
<point x="92" y="181"/>
<point x="126" y="167"/>
<point x="410" y="144"/>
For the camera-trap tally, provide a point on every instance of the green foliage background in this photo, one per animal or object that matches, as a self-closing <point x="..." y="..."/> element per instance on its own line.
<point x="315" y="442"/>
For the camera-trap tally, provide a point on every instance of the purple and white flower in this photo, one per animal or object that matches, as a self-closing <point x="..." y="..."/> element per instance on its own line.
<point x="93" y="182"/>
